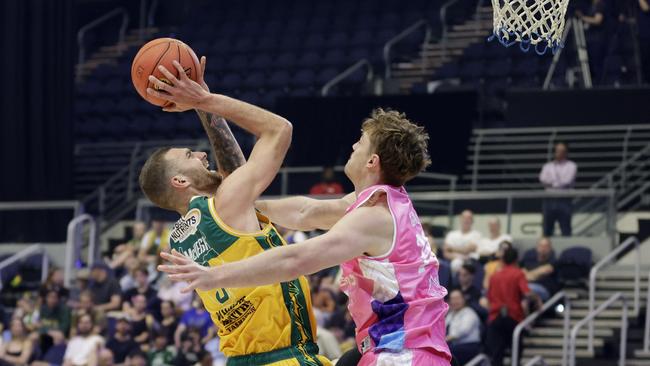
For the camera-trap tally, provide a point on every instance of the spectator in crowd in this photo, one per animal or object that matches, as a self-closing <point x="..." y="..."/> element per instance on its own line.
<point x="161" y="354"/>
<point x="105" y="289"/>
<point x="540" y="270"/>
<point x="121" y="342"/>
<point x="466" y="283"/>
<point x="328" y="184"/>
<point x="506" y="294"/>
<point x="643" y="23"/>
<point x="558" y="175"/>
<point x="137" y="358"/>
<point x="463" y="329"/>
<point x="596" y="25"/>
<point x="129" y="249"/>
<point x="27" y="310"/>
<point x="142" y="288"/>
<point x="171" y="291"/>
<point x="190" y="352"/>
<point x="54" y="281"/>
<point x="105" y="357"/>
<point x="81" y="285"/>
<point x="328" y="345"/>
<point x="55" y="320"/>
<point x="428" y="231"/>
<point x="19" y="348"/>
<point x="197" y="317"/>
<point x="83" y="348"/>
<point x="127" y="281"/>
<point x="496" y="264"/>
<point x="154" y="241"/>
<point x="169" y="321"/>
<point x="488" y="246"/>
<point x="462" y="244"/>
<point x="87" y="307"/>
<point x="323" y="301"/>
<point x="141" y="321"/>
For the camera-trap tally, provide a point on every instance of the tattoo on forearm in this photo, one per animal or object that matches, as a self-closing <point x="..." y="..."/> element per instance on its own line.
<point x="225" y="149"/>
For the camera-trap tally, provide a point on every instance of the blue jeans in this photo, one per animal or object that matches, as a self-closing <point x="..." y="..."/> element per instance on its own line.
<point x="540" y="290"/>
<point x="560" y="210"/>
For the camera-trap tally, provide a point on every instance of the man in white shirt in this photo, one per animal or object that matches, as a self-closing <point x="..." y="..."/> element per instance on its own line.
<point x="557" y="175"/>
<point x="83" y="349"/>
<point x="489" y="246"/>
<point x="463" y="329"/>
<point x="462" y="244"/>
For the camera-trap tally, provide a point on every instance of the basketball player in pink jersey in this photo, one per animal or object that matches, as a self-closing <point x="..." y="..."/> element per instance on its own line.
<point x="389" y="271"/>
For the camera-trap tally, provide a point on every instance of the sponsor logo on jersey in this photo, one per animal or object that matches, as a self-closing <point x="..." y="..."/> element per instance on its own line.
<point x="231" y="317"/>
<point x="197" y="250"/>
<point x="186" y="226"/>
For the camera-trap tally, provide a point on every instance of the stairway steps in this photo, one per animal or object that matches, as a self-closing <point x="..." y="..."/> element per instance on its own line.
<point x="558" y="332"/>
<point x="639" y="353"/>
<point x="553" y="352"/>
<point x="605" y="314"/>
<point x="621" y="285"/>
<point x="550" y="361"/>
<point x="598" y="323"/>
<point x="636" y="362"/>
<point x="558" y="342"/>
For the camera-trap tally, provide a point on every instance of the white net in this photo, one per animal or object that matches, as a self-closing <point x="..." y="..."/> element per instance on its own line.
<point x="531" y="22"/>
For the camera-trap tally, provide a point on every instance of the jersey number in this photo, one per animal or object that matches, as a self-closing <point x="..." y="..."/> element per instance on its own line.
<point x="222" y="295"/>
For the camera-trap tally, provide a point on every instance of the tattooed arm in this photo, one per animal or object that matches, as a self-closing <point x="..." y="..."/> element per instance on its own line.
<point x="225" y="149"/>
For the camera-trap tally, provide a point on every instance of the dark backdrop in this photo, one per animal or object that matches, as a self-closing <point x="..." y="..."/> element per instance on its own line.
<point x="36" y="130"/>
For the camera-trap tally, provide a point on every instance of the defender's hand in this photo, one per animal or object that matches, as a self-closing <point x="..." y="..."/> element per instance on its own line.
<point x="184" y="269"/>
<point x="183" y="91"/>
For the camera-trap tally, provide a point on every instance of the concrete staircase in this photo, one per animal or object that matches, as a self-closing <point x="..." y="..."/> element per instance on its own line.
<point x="435" y="54"/>
<point x="545" y="337"/>
<point x="108" y="55"/>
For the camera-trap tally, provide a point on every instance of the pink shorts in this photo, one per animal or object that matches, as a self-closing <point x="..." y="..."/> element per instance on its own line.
<point x="408" y="357"/>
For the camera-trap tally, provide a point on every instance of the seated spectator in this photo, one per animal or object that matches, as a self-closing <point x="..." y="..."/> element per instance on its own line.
<point x="19" y="349"/>
<point x="508" y="288"/>
<point x="496" y="264"/>
<point x="53" y="356"/>
<point x="540" y="270"/>
<point x="462" y="244"/>
<point x="169" y="321"/>
<point x="105" y="358"/>
<point x="471" y="293"/>
<point x="154" y="241"/>
<point x="129" y="249"/>
<point x="171" y="291"/>
<point x="55" y="319"/>
<point x="489" y="246"/>
<point x="323" y="301"/>
<point x="84" y="347"/>
<point x="197" y="317"/>
<point x="121" y="343"/>
<point x="191" y="351"/>
<point x="142" y="288"/>
<point x="328" y="184"/>
<point x="137" y="358"/>
<point x="127" y="281"/>
<point x="328" y="345"/>
<point x="27" y="310"/>
<point x="161" y="354"/>
<point x="54" y="281"/>
<point x="81" y="285"/>
<point x="463" y="329"/>
<point x="104" y="288"/>
<point x="87" y="307"/>
<point x="141" y="321"/>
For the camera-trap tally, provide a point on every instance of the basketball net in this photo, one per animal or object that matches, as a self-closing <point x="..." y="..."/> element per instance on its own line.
<point x="530" y="22"/>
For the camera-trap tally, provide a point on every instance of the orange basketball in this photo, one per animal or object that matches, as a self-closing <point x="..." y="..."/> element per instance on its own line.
<point x="161" y="51"/>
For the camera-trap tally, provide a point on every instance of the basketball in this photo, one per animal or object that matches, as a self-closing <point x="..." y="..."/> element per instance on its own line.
<point x="161" y="51"/>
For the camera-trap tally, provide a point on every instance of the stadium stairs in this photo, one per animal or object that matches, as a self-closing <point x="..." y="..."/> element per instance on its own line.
<point x="436" y="53"/>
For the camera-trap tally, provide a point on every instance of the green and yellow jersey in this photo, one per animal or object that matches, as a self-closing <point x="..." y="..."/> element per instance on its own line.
<point x="255" y="320"/>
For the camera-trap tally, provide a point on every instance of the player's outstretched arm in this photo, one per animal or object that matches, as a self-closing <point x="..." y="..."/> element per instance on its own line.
<point x="305" y="213"/>
<point x="365" y="231"/>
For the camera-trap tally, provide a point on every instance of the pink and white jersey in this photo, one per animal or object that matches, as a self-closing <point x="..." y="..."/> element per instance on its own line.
<point x="396" y="300"/>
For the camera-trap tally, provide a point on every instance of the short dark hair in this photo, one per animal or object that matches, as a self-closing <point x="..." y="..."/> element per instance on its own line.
<point x="469" y="267"/>
<point x="154" y="178"/>
<point x="510" y="255"/>
<point x="136" y="353"/>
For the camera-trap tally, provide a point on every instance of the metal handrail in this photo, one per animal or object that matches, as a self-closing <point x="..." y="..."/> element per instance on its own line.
<point x="76" y="206"/>
<point x="589" y="318"/>
<point x="443" y="18"/>
<point x="82" y="31"/>
<point x="537" y="360"/>
<point x="32" y="249"/>
<point x="347" y="72"/>
<point x="532" y="317"/>
<point x="609" y="177"/>
<point x="72" y="247"/>
<point x="602" y="263"/>
<point x="403" y="34"/>
<point x="501" y="131"/>
<point x="151" y="13"/>
<point x="478" y="360"/>
<point x="646" y="331"/>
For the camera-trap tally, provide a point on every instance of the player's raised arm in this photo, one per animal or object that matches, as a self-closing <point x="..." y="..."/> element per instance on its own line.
<point x="305" y="213"/>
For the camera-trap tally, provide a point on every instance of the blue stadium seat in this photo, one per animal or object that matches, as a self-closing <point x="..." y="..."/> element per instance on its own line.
<point x="334" y="57"/>
<point x="309" y="59"/>
<point x="231" y="81"/>
<point x="285" y="60"/>
<point x="254" y="80"/>
<point x="261" y="62"/>
<point x="303" y="78"/>
<point x="574" y="264"/>
<point x="279" y="78"/>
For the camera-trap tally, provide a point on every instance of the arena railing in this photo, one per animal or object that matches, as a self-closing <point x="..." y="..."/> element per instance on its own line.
<point x="646" y="331"/>
<point x="516" y="335"/>
<point x="388" y="46"/>
<point x="608" y="259"/>
<point x="589" y="319"/>
<point x="346" y="73"/>
<point x="479" y="360"/>
<point x="537" y="360"/>
<point x="74" y="245"/>
<point x="81" y="34"/>
<point x="30" y="250"/>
